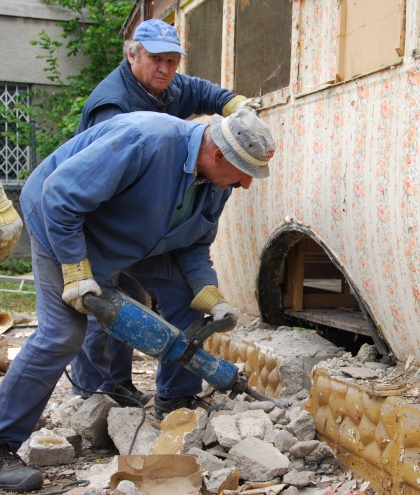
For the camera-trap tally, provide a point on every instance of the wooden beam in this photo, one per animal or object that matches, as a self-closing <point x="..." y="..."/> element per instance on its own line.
<point x="298" y="274"/>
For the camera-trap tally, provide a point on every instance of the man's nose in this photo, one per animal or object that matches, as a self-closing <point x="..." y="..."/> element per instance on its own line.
<point x="163" y="67"/>
<point x="246" y="182"/>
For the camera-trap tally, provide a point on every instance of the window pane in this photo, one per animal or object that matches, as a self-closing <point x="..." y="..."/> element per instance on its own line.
<point x="204" y="41"/>
<point x="262" y="46"/>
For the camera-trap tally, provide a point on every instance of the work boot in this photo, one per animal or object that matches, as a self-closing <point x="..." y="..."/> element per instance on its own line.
<point x="165" y="406"/>
<point x="14" y="475"/>
<point x="129" y="390"/>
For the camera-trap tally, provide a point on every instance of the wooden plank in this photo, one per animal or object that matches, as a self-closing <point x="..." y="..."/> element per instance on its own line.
<point x="344" y="320"/>
<point x="298" y="274"/>
<point x="289" y="271"/>
<point x="401" y="38"/>
<point x="341" y="42"/>
<point x="370" y="33"/>
<point x="323" y="301"/>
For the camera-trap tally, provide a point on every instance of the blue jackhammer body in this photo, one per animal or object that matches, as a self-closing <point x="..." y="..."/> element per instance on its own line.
<point x="141" y="328"/>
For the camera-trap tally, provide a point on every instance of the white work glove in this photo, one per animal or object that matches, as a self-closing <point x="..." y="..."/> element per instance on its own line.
<point x="238" y="102"/>
<point x="252" y="104"/>
<point x="78" y="281"/>
<point x="211" y="301"/>
<point x="222" y="309"/>
<point x="10" y="226"/>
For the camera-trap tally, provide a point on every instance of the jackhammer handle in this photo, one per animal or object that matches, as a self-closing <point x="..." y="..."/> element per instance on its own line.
<point x="106" y="309"/>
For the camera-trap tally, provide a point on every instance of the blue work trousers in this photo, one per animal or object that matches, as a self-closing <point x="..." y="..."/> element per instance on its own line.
<point x="33" y="374"/>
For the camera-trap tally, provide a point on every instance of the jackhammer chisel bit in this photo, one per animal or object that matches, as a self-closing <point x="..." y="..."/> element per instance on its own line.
<point x="141" y="328"/>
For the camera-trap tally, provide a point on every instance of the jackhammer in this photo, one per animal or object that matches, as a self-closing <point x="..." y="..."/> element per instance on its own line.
<point x="141" y="328"/>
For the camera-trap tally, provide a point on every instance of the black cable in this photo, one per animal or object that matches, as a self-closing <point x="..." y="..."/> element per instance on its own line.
<point x="121" y="396"/>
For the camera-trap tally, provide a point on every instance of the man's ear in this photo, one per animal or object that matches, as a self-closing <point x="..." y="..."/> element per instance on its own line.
<point x="218" y="155"/>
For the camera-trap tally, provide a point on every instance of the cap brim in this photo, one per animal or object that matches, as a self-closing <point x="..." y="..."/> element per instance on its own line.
<point x="162" y="47"/>
<point x="230" y="154"/>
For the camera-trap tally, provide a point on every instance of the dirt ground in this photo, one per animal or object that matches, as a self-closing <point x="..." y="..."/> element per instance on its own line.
<point x="55" y="477"/>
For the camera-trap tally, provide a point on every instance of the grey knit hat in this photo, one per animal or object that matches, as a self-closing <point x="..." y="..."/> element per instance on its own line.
<point x="245" y="141"/>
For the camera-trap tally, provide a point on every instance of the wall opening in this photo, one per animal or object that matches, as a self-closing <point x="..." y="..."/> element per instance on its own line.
<point x="300" y="283"/>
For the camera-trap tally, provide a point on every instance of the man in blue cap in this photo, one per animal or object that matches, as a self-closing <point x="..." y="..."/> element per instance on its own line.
<point x="145" y="80"/>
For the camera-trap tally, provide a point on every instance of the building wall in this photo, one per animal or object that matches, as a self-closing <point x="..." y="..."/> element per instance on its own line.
<point x="346" y="166"/>
<point x="21" y="22"/>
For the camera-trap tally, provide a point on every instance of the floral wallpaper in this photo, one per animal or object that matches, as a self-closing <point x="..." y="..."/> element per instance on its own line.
<point x="347" y="164"/>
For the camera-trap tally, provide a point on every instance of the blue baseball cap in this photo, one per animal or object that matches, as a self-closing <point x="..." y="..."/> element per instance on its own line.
<point x="158" y="37"/>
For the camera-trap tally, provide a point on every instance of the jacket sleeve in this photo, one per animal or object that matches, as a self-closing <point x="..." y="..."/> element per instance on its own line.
<point x="194" y="261"/>
<point x="93" y="175"/>
<point x="199" y="96"/>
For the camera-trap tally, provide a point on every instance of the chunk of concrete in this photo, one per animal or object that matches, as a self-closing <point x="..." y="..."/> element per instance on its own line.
<point x="207" y="461"/>
<point x="226" y="430"/>
<point x="127" y="487"/>
<point x="297" y="464"/>
<point x="72" y="437"/>
<point x="299" y="478"/>
<point x="266" y="405"/>
<point x="303" y="448"/>
<point x="241" y="406"/>
<point x="251" y="427"/>
<point x="321" y="452"/>
<point x="261" y="418"/>
<point x="292" y="490"/>
<point x="284" y="440"/>
<point x="61" y="417"/>
<point x="367" y="352"/>
<point x="303" y="428"/>
<point x="44" y="448"/>
<point x="122" y="424"/>
<point x="209" y="435"/>
<point x="181" y="430"/>
<point x="276" y="415"/>
<point x="90" y="420"/>
<point x="218" y="451"/>
<point x="221" y="480"/>
<point x="257" y="460"/>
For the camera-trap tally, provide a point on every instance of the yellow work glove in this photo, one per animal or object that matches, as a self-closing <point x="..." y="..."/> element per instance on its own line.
<point x="239" y="102"/>
<point x="210" y="301"/>
<point x="78" y="281"/>
<point x="10" y="226"/>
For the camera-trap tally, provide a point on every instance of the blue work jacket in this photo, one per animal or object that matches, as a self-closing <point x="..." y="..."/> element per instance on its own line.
<point x="184" y="97"/>
<point x="110" y="194"/>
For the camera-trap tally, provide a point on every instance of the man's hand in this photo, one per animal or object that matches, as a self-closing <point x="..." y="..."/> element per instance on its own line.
<point x="210" y="301"/>
<point x="252" y="104"/>
<point x="238" y="102"/>
<point x="78" y="281"/>
<point x="10" y="226"/>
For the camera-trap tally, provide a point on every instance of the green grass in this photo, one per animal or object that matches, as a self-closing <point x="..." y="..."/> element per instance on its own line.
<point x="301" y="329"/>
<point x="14" y="302"/>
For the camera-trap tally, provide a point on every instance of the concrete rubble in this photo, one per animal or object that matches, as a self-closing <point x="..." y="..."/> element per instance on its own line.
<point x="243" y="444"/>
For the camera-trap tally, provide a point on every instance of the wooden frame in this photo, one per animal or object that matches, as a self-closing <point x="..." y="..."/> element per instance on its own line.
<point x="372" y="36"/>
<point x="294" y="295"/>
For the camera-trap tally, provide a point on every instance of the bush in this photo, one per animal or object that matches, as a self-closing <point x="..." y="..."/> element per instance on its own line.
<point x="15" y="267"/>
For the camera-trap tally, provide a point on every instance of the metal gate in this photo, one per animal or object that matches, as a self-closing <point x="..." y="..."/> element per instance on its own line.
<point x="15" y="158"/>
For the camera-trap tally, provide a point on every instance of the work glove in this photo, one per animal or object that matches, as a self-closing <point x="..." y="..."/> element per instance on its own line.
<point x="239" y="102"/>
<point x="10" y="226"/>
<point x="210" y="301"/>
<point x="78" y="281"/>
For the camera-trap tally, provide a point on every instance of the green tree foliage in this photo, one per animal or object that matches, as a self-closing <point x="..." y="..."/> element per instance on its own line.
<point x="98" y="40"/>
